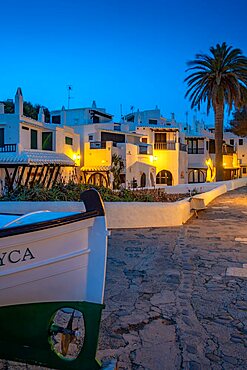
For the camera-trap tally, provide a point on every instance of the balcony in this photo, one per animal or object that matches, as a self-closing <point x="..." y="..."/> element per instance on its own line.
<point x="165" y="146"/>
<point x="8" y="148"/>
<point x="195" y="150"/>
<point x="97" y="144"/>
<point x="228" y="150"/>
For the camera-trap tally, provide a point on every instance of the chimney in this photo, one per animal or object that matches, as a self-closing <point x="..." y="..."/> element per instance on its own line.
<point x="19" y="102"/>
<point x="41" y="115"/>
<point x="1" y="108"/>
<point x="94" y="104"/>
<point x="63" y="115"/>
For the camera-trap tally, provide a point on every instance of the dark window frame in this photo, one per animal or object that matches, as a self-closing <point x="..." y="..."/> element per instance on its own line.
<point x="152" y="121"/>
<point x="194" y="147"/>
<point x="47" y="141"/>
<point x="56" y="119"/>
<point x="160" y="137"/>
<point x="34" y="139"/>
<point x="68" y="140"/>
<point x="1" y="136"/>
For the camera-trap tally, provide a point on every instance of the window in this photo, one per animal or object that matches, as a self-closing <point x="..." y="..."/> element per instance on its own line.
<point x="1" y="136"/>
<point x="95" y="119"/>
<point x="46" y="140"/>
<point x="207" y="145"/>
<point x="144" y="140"/>
<point x="34" y="139"/>
<point x="196" y="146"/>
<point x="160" y="137"/>
<point x="130" y="119"/>
<point x="68" y="140"/>
<point x="164" y="177"/>
<point x="56" y="119"/>
<point x="90" y="137"/>
<point x="211" y="146"/>
<point x="196" y="176"/>
<point x="231" y="141"/>
<point x="108" y="136"/>
<point x="152" y="121"/>
<point x="25" y="128"/>
<point x="240" y="141"/>
<point x="244" y="170"/>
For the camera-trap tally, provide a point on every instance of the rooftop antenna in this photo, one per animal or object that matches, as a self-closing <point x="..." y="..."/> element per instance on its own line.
<point x="69" y="88"/>
<point x="132" y="108"/>
<point x="121" y="110"/>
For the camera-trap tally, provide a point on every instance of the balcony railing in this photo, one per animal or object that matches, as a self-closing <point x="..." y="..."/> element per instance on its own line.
<point x="97" y="144"/>
<point x="228" y="150"/>
<point x="8" y="148"/>
<point x="165" y="146"/>
<point x="182" y="147"/>
<point x="195" y="150"/>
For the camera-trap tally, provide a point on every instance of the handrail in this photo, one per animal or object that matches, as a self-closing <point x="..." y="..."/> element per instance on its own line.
<point x="8" y="148"/>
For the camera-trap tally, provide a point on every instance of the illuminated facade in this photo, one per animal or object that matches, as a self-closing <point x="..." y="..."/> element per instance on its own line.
<point x="168" y="142"/>
<point x="201" y="156"/>
<point x="86" y="145"/>
<point x="100" y="140"/>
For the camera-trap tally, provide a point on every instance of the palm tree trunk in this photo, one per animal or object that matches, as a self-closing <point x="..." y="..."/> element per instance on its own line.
<point x="219" y="118"/>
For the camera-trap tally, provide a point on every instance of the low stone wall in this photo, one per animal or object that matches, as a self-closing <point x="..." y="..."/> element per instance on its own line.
<point x="132" y="214"/>
<point x="212" y="194"/>
<point x="129" y="215"/>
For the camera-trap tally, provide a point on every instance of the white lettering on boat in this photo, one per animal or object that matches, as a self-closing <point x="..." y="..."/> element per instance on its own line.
<point x="16" y="256"/>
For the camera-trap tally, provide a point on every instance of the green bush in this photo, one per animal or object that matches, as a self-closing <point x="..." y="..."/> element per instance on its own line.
<point x="72" y="191"/>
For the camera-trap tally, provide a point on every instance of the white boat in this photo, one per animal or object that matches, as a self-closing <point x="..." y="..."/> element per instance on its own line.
<point x="52" y="268"/>
<point x="50" y="256"/>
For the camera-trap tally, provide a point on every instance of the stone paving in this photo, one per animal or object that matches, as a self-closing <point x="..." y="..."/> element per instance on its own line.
<point x="169" y="301"/>
<point x="176" y="298"/>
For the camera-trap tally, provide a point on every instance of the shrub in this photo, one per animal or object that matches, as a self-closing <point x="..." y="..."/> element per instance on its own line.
<point x="72" y="191"/>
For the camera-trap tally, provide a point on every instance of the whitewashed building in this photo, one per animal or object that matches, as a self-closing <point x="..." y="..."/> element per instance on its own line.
<point x="168" y="141"/>
<point x="201" y="155"/>
<point x="100" y="139"/>
<point x="32" y="151"/>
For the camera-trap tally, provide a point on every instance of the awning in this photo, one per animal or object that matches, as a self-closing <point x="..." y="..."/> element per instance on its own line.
<point x="36" y="157"/>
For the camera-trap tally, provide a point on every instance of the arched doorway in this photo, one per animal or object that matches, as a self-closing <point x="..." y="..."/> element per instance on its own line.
<point x="164" y="177"/>
<point x="143" y="180"/>
<point x="197" y="176"/>
<point x="98" y="179"/>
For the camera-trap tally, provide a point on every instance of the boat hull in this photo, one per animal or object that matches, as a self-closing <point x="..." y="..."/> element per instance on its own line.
<point x="26" y="335"/>
<point x="60" y="263"/>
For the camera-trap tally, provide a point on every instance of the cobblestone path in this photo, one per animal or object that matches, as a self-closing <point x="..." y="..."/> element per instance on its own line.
<point x="169" y="302"/>
<point x="176" y="298"/>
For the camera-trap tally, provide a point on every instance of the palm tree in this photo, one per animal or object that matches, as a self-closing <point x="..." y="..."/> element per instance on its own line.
<point x="219" y="79"/>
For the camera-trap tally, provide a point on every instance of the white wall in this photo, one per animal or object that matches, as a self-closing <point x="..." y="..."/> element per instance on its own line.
<point x="132" y="214"/>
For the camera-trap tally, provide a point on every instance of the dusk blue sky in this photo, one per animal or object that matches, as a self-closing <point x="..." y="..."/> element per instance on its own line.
<point x="127" y="52"/>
